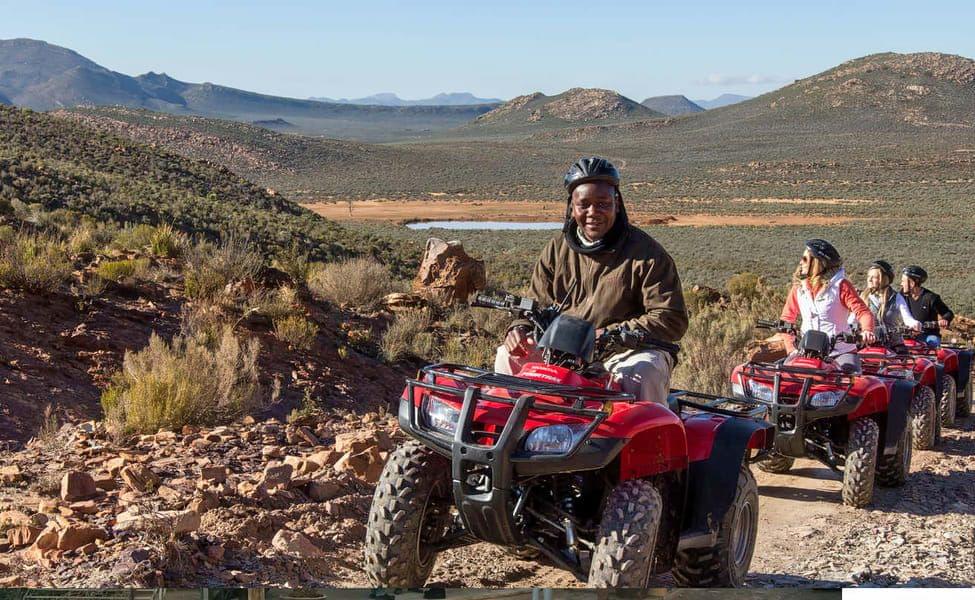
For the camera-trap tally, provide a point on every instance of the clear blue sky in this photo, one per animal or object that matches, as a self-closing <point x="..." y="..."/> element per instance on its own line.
<point x="498" y="48"/>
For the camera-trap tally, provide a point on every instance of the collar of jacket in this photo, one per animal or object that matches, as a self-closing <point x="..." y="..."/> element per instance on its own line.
<point x="611" y="242"/>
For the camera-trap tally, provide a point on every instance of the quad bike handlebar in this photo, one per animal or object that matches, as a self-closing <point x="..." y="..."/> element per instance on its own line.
<point x="611" y="341"/>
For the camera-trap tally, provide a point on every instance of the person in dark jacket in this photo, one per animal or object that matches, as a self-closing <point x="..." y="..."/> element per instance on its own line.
<point x="925" y="305"/>
<point x="613" y="275"/>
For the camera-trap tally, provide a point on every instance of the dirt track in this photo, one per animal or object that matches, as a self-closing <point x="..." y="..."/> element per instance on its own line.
<point x="921" y="534"/>
<point x="402" y="211"/>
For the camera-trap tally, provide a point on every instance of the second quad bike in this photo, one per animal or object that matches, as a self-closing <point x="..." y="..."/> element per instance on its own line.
<point x="853" y="423"/>
<point x="557" y="463"/>
<point x="888" y="357"/>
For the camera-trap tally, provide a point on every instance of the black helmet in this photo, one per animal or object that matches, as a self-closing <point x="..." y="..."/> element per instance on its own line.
<point x="884" y="267"/>
<point x="590" y="169"/>
<point x="916" y="273"/>
<point x="825" y="252"/>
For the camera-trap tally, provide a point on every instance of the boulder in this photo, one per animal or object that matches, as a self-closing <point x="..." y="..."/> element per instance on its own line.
<point x="10" y="474"/>
<point x="277" y="476"/>
<point x="296" y="544"/>
<point x="400" y="302"/>
<point x="167" y="521"/>
<point x="359" y="441"/>
<point x="77" y="485"/>
<point x="24" y="535"/>
<point x="768" y="350"/>
<point x="321" y="490"/>
<point x="447" y="274"/>
<point x="139" y="478"/>
<point x="75" y="536"/>
<point x="214" y="474"/>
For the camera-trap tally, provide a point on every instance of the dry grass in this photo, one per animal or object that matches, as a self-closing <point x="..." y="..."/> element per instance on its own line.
<point x="295" y="330"/>
<point x="123" y="272"/>
<point x="359" y="282"/>
<point x="191" y="381"/>
<point x="409" y="335"/>
<point x="210" y="268"/>
<point x="34" y="262"/>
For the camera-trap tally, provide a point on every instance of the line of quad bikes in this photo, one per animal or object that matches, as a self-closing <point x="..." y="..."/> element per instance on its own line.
<point x="556" y="464"/>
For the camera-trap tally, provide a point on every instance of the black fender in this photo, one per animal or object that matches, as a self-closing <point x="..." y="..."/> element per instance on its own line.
<point x="939" y="389"/>
<point x="898" y="410"/>
<point x="964" y="369"/>
<point x="713" y="482"/>
<point x="939" y="370"/>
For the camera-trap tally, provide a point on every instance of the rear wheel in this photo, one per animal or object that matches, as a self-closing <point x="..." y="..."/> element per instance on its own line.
<point x="924" y="412"/>
<point x="949" y="398"/>
<point x="409" y="511"/>
<point x="965" y="400"/>
<point x="892" y="471"/>
<point x="776" y="463"/>
<point x="861" y="462"/>
<point x="627" y="538"/>
<point x="726" y="563"/>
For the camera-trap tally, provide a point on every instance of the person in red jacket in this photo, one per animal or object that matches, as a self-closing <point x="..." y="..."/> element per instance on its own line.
<point x="824" y="298"/>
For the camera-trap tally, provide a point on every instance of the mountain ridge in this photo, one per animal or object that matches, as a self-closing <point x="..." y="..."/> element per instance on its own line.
<point x="391" y="99"/>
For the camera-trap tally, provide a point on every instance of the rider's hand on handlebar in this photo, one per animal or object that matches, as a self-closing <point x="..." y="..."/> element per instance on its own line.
<point x="868" y="337"/>
<point x="916" y="328"/>
<point x="519" y="341"/>
<point x="943" y="323"/>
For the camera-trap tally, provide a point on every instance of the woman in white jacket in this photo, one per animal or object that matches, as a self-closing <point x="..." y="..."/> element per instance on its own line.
<point x="887" y="304"/>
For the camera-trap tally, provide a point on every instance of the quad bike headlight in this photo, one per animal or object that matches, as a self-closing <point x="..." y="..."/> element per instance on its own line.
<point x="553" y="439"/>
<point x="760" y="391"/>
<point x="825" y="399"/>
<point x="439" y="414"/>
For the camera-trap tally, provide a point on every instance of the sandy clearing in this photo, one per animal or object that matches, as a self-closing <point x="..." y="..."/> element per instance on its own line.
<point x="534" y="211"/>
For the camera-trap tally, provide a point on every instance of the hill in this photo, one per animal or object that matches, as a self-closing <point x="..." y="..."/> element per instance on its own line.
<point x="42" y="76"/>
<point x="62" y="164"/>
<point x="722" y="100"/>
<point x="572" y="108"/>
<point x="672" y="105"/>
<point x="390" y="99"/>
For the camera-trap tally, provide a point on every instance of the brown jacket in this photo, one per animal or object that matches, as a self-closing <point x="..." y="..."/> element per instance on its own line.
<point x="634" y="283"/>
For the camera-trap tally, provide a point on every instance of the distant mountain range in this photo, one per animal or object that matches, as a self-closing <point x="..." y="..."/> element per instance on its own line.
<point x="43" y="76"/>
<point x="672" y="105"/>
<point x="390" y="99"/>
<point x="722" y="100"/>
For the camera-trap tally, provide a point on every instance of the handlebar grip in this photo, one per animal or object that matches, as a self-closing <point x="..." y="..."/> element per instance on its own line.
<point x="482" y="301"/>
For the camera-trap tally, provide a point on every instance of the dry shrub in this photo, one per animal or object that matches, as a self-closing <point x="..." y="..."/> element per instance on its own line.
<point x="134" y="238"/>
<point x="409" y="335"/>
<point x="295" y="330"/>
<point x="167" y="242"/>
<point x="274" y="304"/>
<point x="359" y="282"/>
<point x="745" y="285"/>
<point x="188" y="382"/>
<point x="210" y="268"/>
<point x="90" y="238"/>
<point x="34" y="262"/>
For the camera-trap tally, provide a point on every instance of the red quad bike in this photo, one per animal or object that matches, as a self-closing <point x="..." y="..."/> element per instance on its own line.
<point x="853" y="423"/>
<point x="954" y="376"/>
<point x="888" y="359"/>
<point x="558" y="463"/>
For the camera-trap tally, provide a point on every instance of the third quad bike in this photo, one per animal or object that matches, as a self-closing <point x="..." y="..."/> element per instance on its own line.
<point x="851" y="422"/>
<point x="955" y="376"/>
<point x="557" y="463"/>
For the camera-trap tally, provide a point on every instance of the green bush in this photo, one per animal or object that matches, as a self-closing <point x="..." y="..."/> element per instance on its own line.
<point x="296" y="331"/>
<point x="123" y="271"/>
<point x="134" y="238"/>
<point x="89" y="238"/>
<point x="34" y="262"/>
<point x="186" y="382"/>
<point x="294" y="262"/>
<point x="359" y="282"/>
<point x="166" y="242"/>
<point x="745" y="285"/>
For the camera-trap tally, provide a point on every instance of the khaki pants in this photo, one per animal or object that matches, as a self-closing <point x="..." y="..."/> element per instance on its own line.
<point x="645" y="374"/>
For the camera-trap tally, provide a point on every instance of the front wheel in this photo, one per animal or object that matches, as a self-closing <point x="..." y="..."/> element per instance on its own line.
<point x="627" y="538"/>
<point x="949" y="398"/>
<point x="726" y="563"/>
<point x="861" y="462"/>
<point x="776" y="463"/>
<point x="409" y="511"/>
<point x="892" y="471"/>
<point x="924" y="413"/>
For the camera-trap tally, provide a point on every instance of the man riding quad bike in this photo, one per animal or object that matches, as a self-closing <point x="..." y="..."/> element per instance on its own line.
<point x="824" y="408"/>
<point x="557" y="462"/>
<point x="934" y="315"/>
